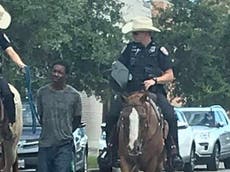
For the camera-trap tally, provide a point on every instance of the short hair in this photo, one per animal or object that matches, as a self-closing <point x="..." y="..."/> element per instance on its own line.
<point x="62" y="63"/>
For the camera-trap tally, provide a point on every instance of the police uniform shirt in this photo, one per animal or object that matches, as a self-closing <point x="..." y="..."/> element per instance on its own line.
<point x="4" y="41"/>
<point x="145" y="63"/>
<point x="4" y="44"/>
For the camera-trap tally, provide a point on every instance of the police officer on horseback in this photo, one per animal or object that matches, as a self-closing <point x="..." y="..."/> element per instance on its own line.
<point x="149" y="67"/>
<point x="6" y="95"/>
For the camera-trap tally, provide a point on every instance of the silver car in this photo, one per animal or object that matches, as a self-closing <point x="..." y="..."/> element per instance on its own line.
<point x="186" y="141"/>
<point x="211" y="129"/>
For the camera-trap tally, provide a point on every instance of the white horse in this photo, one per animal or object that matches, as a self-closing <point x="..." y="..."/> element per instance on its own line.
<point x="9" y="147"/>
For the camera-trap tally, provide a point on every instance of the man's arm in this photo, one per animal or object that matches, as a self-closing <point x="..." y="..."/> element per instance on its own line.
<point x="77" y="113"/>
<point x="166" y="77"/>
<point x="14" y="56"/>
<point x="39" y="107"/>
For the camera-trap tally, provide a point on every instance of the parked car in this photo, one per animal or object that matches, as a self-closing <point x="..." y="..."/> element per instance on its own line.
<point x="28" y="144"/>
<point x="186" y="141"/>
<point x="211" y="129"/>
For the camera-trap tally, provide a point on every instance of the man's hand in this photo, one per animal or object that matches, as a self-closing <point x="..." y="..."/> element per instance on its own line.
<point x="148" y="83"/>
<point x="23" y="69"/>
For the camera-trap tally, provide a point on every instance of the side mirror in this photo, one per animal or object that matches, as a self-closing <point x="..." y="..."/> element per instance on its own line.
<point x="219" y="125"/>
<point x="83" y="124"/>
<point x="182" y="125"/>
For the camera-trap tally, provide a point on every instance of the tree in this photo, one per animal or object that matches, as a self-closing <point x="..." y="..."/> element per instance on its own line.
<point x="195" y="33"/>
<point x="83" y="32"/>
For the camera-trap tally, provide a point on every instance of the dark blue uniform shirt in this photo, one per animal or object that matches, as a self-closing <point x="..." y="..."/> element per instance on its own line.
<point x="145" y="63"/>
<point x="4" y="41"/>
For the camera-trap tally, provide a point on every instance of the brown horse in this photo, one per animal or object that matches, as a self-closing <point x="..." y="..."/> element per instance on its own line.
<point x="142" y="132"/>
<point x="9" y="147"/>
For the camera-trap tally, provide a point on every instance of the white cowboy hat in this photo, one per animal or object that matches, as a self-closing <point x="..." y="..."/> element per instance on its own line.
<point x="5" y="18"/>
<point x="139" y="24"/>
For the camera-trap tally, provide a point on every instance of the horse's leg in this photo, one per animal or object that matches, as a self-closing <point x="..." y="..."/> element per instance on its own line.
<point x="152" y="165"/>
<point x="125" y="166"/>
<point x="160" y="163"/>
<point x="10" y="155"/>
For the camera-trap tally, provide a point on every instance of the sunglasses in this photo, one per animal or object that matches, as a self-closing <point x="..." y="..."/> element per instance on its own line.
<point x="135" y="33"/>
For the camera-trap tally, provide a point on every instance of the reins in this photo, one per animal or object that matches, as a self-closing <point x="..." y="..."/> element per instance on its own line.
<point x="30" y="98"/>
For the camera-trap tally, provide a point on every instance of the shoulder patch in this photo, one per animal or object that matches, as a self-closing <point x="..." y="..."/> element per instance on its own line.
<point x="6" y="37"/>
<point x="164" y="51"/>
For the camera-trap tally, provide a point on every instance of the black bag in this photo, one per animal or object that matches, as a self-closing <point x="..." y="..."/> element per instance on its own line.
<point x="120" y="74"/>
<point x="104" y="161"/>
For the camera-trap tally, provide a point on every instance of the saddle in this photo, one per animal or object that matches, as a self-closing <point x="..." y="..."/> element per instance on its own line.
<point x="152" y="100"/>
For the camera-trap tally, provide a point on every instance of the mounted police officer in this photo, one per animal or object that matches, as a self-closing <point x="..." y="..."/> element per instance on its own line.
<point x="5" y="93"/>
<point x="143" y="64"/>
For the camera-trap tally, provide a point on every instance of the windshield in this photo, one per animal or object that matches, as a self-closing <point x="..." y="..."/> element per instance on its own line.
<point x="203" y="118"/>
<point x="27" y="116"/>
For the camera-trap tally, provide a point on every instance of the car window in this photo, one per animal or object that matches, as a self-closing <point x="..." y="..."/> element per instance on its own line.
<point x="202" y="118"/>
<point x="217" y="117"/>
<point x="222" y="118"/>
<point x="27" y="115"/>
<point x="180" y="116"/>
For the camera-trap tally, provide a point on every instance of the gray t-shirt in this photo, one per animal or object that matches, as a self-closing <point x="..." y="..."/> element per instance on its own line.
<point x="57" y="109"/>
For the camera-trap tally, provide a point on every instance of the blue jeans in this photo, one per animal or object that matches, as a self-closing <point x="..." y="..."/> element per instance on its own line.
<point x="55" y="158"/>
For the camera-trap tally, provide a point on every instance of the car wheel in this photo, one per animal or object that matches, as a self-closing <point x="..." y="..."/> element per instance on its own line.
<point x="214" y="162"/>
<point x="227" y="163"/>
<point x="189" y="166"/>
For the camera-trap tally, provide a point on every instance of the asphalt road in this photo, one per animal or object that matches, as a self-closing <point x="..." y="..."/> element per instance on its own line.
<point x="200" y="168"/>
<point x="203" y="168"/>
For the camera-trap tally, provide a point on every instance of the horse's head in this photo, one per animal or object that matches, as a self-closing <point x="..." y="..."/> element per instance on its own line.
<point x="136" y="119"/>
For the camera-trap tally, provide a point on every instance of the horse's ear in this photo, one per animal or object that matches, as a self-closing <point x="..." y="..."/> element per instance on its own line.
<point x="143" y="98"/>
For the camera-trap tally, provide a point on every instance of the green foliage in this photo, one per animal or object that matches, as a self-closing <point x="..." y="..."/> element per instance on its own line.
<point x="82" y="32"/>
<point x="197" y="35"/>
<point x="86" y="34"/>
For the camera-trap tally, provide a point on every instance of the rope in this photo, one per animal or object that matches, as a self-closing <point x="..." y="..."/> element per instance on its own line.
<point x="30" y="98"/>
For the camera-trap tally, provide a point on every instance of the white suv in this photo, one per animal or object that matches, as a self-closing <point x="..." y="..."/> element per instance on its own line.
<point x="211" y="129"/>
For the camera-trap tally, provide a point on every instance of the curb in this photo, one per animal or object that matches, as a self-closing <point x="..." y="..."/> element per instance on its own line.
<point x="93" y="170"/>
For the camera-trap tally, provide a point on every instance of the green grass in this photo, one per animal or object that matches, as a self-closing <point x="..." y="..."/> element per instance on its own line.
<point x="92" y="161"/>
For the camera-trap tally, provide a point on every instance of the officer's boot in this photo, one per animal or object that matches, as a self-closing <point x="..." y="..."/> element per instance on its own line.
<point x="114" y="148"/>
<point x="176" y="158"/>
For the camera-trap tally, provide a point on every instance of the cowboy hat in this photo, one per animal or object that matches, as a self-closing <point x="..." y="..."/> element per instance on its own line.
<point x="5" y="18"/>
<point x="139" y="24"/>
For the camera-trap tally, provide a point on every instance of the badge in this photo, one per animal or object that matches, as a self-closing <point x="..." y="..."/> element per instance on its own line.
<point x="164" y="51"/>
<point x="152" y="49"/>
